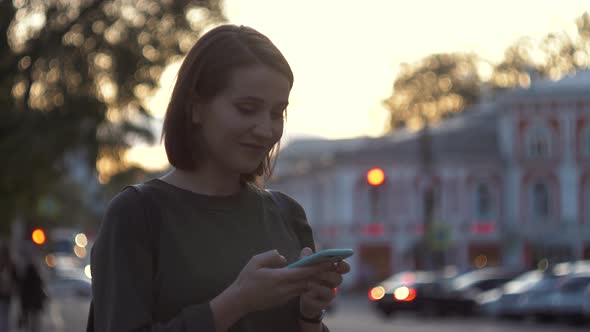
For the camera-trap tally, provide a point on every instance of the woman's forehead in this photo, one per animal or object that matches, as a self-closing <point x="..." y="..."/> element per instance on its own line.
<point x="259" y="82"/>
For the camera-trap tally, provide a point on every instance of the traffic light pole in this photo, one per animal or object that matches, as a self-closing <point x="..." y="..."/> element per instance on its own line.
<point x="373" y="199"/>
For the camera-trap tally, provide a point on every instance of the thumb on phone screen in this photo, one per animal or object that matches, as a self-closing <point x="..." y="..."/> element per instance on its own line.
<point x="305" y="252"/>
<point x="270" y="258"/>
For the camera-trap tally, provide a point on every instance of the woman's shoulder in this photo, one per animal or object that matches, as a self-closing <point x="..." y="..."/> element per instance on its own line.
<point x="127" y="198"/>
<point x="125" y="217"/>
<point x="126" y="209"/>
<point x="284" y="200"/>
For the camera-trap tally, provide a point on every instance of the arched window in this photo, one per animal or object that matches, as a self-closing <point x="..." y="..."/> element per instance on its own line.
<point x="540" y="201"/>
<point x="538" y="142"/>
<point x="483" y="202"/>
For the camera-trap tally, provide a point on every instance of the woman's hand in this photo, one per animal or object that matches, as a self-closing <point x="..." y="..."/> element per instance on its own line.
<point x="263" y="284"/>
<point x="322" y="288"/>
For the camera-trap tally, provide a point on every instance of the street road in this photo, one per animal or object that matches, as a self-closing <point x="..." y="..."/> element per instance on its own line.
<point x="352" y="314"/>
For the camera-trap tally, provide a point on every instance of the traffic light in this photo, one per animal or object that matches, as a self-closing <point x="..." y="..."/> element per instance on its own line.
<point x="38" y="236"/>
<point x="375" y="177"/>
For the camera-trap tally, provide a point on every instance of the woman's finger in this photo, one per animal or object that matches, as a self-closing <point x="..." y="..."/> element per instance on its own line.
<point x="321" y="292"/>
<point x="343" y="267"/>
<point x="330" y="279"/>
<point x="297" y="288"/>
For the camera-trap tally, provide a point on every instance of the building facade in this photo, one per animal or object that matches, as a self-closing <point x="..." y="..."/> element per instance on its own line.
<point x="510" y="184"/>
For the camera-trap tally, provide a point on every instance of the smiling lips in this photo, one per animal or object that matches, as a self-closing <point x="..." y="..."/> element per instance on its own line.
<point x="254" y="147"/>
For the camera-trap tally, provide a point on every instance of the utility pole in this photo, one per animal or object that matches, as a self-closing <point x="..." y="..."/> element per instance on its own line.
<point x="426" y="166"/>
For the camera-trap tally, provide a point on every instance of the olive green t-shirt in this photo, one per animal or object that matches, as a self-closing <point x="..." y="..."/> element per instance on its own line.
<point x="162" y="254"/>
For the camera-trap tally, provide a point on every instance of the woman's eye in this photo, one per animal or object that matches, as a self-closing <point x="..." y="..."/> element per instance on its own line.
<point x="246" y="109"/>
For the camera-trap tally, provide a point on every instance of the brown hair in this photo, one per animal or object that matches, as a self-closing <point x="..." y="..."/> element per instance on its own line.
<point x="204" y="73"/>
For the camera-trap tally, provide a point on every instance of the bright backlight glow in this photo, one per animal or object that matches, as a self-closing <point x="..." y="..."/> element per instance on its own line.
<point x="405" y="294"/>
<point x="375" y="176"/>
<point x="38" y="236"/>
<point x="376" y="293"/>
<point x="81" y="240"/>
<point x="401" y="293"/>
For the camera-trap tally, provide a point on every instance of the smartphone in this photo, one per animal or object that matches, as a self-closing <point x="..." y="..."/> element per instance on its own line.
<point x="323" y="256"/>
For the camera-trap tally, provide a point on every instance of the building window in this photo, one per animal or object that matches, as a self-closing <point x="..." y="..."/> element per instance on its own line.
<point x="540" y="201"/>
<point x="483" y="202"/>
<point x="538" y="142"/>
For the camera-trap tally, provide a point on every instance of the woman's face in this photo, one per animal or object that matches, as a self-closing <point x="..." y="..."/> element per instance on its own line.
<point x="242" y="123"/>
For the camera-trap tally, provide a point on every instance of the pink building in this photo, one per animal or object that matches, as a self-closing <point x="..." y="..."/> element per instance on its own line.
<point x="511" y="184"/>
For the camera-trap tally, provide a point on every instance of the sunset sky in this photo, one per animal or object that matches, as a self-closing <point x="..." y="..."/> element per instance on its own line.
<point x="345" y="54"/>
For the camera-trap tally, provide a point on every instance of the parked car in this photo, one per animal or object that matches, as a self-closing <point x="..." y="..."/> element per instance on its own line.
<point x="538" y="301"/>
<point x="416" y="291"/>
<point x="570" y="298"/>
<point x="503" y="301"/>
<point x="461" y="293"/>
<point x="535" y="301"/>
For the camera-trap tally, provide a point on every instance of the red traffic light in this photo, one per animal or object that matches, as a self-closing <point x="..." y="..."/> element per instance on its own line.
<point x="38" y="236"/>
<point x="375" y="177"/>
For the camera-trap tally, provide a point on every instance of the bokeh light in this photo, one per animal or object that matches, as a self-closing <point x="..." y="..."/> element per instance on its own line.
<point x="401" y="293"/>
<point x="87" y="271"/>
<point x="375" y="176"/>
<point x="38" y="236"/>
<point x="81" y="240"/>
<point x="376" y="293"/>
<point x="50" y="260"/>
<point x="80" y="251"/>
<point x="481" y="261"/>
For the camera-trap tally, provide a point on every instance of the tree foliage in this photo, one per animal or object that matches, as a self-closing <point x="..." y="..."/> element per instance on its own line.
<point x="441" y="85"/>
<point x="73" y="77"/>
<point x="433" y="89"/>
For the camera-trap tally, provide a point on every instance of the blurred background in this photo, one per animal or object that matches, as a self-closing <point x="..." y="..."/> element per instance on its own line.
<point x="448" y="143"/>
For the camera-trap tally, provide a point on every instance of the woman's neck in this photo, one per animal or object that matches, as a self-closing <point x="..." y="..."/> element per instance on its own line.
<point x="203" y="182"/>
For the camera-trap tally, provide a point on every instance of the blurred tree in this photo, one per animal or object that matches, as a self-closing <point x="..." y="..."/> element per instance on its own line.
<point x="518" y="67"/>
<point x="441" y="85"/>
<point x="433" y="89"/>
<point x="73" y="75"/>
<point x="565" y="54"/>
<point x="554" y="56"/>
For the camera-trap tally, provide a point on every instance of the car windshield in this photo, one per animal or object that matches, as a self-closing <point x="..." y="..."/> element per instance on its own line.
<point x="473" y="278"/>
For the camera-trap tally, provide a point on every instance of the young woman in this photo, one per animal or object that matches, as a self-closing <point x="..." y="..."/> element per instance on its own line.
<point x="204" y="248"/>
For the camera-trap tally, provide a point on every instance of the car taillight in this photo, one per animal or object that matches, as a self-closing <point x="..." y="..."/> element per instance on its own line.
<point x="405" y="294"/>
<point x="376" y="293"/>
